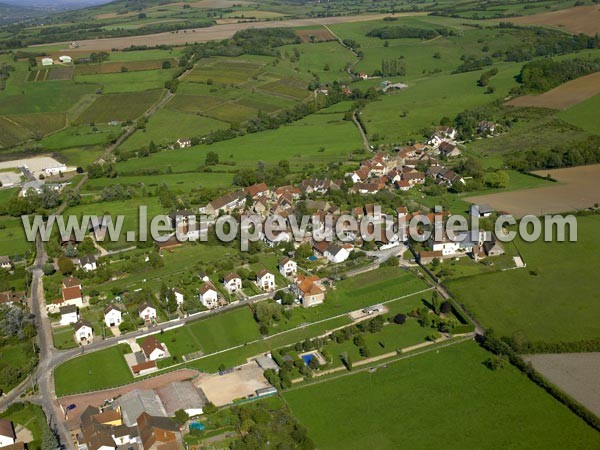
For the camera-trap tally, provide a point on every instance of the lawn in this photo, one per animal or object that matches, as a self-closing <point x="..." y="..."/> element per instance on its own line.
<point x="554" y="288"/>
<point x="98" y="370"/>
<point x="31" y="417"/>
<point x="119" y="107"/>
<point x="445" y="398"/>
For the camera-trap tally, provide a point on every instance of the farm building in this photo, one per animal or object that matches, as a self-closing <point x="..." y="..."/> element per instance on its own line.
<point x="182" y="395"/>
<point x="65" y="59"/>
<point x="138" y="401"/>
<point x="47" y="61"/>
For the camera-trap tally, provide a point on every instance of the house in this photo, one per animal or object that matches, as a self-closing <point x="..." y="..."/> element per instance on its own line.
<point x="147" y="312"/>
<point x="257" y="190"/>
<point x="158" y="433"/>
<point x="480" y="211"/>
<point x="265" y="280"/>
<point x="363" y="76"/>
<point x="5" y="262"/>
<point x="226" y="203"/>
<point x="447" y="132"/>
<point x="319" y="248"/>
<point x="138" y="401"/>
<point x="287" y="267"/>
<point x="7" y="433"/>
<point x="72" y="296"/>
<point x="445" y="245"/>
<point x="65" y="59"/>
<point x="181" y="218"/>
<point x="88" y="263"/>
<point x="276" y="238"/>
<point x="449" y="150"/>
<point x="232" y="282"/>
<point x="486" y="127"/>
<point x="336" y="254"/>
<point x="309" y="290"/>
<point x="184" y="143"/>
<point x="11" y="297"/>
<point x="70" y="282"/>
<point x="84" y="334"/>
<point x="55" y="170"/>
<point x="204" y="277"/>
<point x="153" y="349"/>
<point x="208" y="295"/>
<point x="112" y="316"/>
<point x="68" y="315"/>
<point x="182" y="395"/>
<point x="428" y="257"/>
<point x="47" y="61"/>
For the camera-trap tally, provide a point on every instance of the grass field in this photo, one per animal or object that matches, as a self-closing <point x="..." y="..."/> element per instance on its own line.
<point x="12" y="236"/>
<point x="119" y="107"/>
<point x="79" y="136"/>
<point x="554" y="288"/>
<point x="176" y="182"/>
<point x="450" y="394"/>
<point x="584" y="114"/>
<point x="117" y="66"/>
<point x="94" y="371"/>
<point x="300" y="143"/>
<point x="166" y="126"/>
<point x="54" y="96"/>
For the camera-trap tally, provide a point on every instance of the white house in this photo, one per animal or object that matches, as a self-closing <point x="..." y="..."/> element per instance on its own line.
<point x="265" y="280"/>
<point x="232" y="282"/>
<point x="444" y="245"/>
<point x="5" y="262"/>
<point x="184" y="143"/>
<point x="112" y="316"/>
<point x="88" y="263"/>
<point x="278" y="237"/>
<point x="336" y="254"/>
<point x="208" y="295"/>
<point x="7" y="433"/>
<point x="288" y="267"/>
<point x="68" y="315"/>
<point x="84" y="334"/>
<point x="65" y="59"/>
<point x="309" y="290"/>
<point x="47" y="61"/>
<point x="153" y="349"/>
<point x="55" y="170"/>
<point x="147" y="312"/>
<point x="179" y="297"/>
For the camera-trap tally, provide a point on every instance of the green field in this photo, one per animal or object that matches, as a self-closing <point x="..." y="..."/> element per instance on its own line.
<point x="129" y="81"/>
<point x="176" y="182"/>
<point x="119" y="107"/>
<point x="300" y="143"/>
<point x="167" y="126"/>
<point x="584" y="114"/>
<point x="554" y="288"/>
<point x="80" y="136"/>
<point x="444" y="396"/>
<point x="12" y="236"/>
<point x="94" y="371"/>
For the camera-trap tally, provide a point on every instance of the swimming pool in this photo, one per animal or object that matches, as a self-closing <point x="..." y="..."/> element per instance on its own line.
<point x="308" y="358"/>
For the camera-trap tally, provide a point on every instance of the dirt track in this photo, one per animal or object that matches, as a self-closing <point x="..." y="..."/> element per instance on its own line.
<point x="581" y="19"/>
<point x="574" y="373"/>
<point x="216" y="32"/>
<point x="577" y="188"/>
<point x="563" y="96"/>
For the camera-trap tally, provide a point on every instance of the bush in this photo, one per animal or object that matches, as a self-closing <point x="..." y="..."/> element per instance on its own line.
<point x="400" y="319"/>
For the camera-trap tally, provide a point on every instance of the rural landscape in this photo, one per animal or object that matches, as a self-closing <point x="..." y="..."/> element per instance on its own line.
<point x="213" y="119"/>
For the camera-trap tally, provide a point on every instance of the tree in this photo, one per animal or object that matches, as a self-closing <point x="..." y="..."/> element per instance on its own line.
<point x="65" y="265"/>
<point x="212" y="159"/>
<point x="446" y="307"/>
<point x="209" y="408"/>
<point x="181" y="417"/>
<point x="400" y="319"/>
<point x="166" y="64"/>
<point x="49" y="441"/>
<point x="48" y="269"/>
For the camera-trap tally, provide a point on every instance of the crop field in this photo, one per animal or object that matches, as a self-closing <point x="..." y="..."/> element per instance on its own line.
<point x="193" y="103"/>
<point x="11" y="132"/>
<point x="42" y="123"/>
<point x="584" y="114"/>
<point x="119" y="107"/>
<point x="387" y="409"/>
<point x="55" y="96"/>
<point x="564" y="96"/>
<point x="80" y="156"/>
<point x="119" y="66"/>
<point x="166" y="126"/>
<point x="577" y="188"/>
<point x="574" y="373"/>
<point x="580" y="19"/>
<point x="294" y="89"/>
<point x="320" y="34"/>
<point x="54" y="74"/>
<point x="231" y="112"/>
<point x="130" y="81"/>
<point x="80" y="136"/>
<point x="296" y="142"/>
<point x="554" y="288"/>
<point x="231" y="73"/>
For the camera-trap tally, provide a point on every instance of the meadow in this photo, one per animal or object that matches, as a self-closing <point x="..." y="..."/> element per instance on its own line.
<point x="12" y="236"/>
<point x="176" y="182"/>
<point x="390" y="408"/>
<point x="134" y="81"/>
<point x="554" y="289"/>
<point x="316" y="139"/>
<point x="584" y="115"/>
